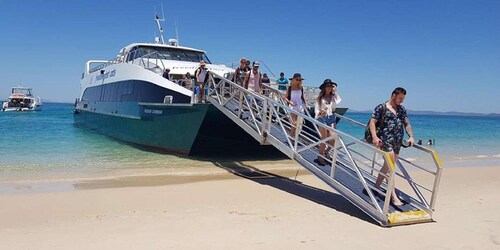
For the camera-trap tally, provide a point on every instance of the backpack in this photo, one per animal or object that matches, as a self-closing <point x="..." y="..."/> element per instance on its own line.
<point x="240" y="75"/>
<point x="368" y="135"/>
<point x="196" y="77"/>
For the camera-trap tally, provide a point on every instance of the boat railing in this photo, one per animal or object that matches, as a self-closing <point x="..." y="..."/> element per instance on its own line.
<point x="352" y="165"/>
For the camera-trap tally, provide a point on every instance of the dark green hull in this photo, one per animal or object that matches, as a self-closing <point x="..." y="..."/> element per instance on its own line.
<point x="199" y="130"/>
<point x="173" y="128"/>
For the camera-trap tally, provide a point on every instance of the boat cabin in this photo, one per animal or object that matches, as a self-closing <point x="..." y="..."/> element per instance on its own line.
<point x="165" y="52"/>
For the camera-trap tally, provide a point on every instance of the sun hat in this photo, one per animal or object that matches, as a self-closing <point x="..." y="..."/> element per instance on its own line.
<point x="327" y="82"/>
<point x="297" y="75"/>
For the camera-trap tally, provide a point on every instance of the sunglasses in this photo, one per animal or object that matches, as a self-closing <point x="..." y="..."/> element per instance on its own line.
<point x="298" y="79"/>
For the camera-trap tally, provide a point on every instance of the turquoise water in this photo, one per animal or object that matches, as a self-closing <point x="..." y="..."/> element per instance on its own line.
<point x="455" y="137"/>
<point x="47" y="142"/>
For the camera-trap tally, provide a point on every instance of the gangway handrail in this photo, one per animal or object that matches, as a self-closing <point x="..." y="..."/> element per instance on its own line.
<point x="400" y="160"/>
<point x="266" y="118"/>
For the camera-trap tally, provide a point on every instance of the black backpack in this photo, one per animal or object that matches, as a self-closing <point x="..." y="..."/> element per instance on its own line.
<point x="240" y="75"/>
<point x="368" y="134"/>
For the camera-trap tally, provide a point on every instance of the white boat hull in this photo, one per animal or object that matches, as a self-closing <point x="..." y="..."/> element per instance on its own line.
<point x="17" y="109"/>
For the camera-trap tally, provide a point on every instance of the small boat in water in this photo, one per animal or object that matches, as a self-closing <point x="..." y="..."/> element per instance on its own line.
<point x="22" y="99"/>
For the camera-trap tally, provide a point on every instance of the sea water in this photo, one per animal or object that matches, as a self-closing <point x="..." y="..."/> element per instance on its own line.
<point x="47" y="143"/>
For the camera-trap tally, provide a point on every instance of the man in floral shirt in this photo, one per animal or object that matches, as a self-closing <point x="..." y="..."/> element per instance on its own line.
<point x="390" y="134"/>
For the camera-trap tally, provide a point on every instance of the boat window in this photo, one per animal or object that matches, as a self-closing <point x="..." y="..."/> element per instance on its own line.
<point x="23" y="91"/>
<point x="168" y="54"/>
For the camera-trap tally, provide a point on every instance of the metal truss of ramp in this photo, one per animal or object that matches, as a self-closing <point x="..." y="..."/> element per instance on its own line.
<point x="353" y="165"/>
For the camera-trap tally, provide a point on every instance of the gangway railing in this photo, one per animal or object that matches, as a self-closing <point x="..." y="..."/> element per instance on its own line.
<point x="352" y="165"/>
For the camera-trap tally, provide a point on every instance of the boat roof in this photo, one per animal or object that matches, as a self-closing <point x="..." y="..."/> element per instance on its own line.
<point x="19" y="87"/>
<point x="159" y="45"/>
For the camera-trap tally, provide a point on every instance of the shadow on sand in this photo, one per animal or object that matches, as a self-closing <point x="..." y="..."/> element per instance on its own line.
<point x="297" y="188"/>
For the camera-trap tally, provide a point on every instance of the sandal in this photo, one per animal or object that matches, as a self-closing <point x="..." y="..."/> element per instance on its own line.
<point x="320" y="160"/>
<point x="328" y="157"/>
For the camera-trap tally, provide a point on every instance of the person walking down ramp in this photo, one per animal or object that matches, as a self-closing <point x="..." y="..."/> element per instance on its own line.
<point x="324" y="110"/>
<point x="390" y="135"/>
<point x="295" y="99"/>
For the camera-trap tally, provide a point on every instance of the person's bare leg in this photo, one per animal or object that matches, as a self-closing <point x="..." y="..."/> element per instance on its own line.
<point x="294" y="125"/>
<point x="380" y="178"/>
<point x="322" y="146"/>
<point x="331" y="143"/>
<point x="395" y="199"/>
<point x="202" y="93"/>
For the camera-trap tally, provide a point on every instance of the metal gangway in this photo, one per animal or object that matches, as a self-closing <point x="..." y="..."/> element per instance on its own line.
<point x="353" y="165"/>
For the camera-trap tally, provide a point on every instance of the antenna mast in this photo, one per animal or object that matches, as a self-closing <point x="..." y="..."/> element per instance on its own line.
<point x="157" y="20"/>
<point x="176" y="32"/>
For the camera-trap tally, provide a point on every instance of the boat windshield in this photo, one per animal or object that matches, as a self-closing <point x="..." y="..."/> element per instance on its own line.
<point x="167" y="54"/>
<point x="23" y="91"/>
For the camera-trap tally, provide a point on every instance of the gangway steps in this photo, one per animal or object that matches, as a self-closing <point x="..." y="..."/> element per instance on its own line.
<point x="348" y="178"/>
<point x="345" y="177"/>
<point x="343" y="174"/>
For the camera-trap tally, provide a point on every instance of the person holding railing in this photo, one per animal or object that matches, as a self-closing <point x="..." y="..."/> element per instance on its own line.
<point x="324" y="110"/>
<point x="390" y="133"/>
<point x="253" y="79"/>
<point x="295" y="99"/>
<point x="253" y="82"/>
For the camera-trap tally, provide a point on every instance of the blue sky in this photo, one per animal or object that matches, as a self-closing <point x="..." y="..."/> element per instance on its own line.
<point x="445" y="53"/>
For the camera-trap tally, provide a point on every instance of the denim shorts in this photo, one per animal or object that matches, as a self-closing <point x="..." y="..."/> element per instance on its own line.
<point x="328" y="120"/>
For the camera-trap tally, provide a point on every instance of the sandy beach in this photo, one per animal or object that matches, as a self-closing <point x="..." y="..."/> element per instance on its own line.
<point x="241" y="206"/>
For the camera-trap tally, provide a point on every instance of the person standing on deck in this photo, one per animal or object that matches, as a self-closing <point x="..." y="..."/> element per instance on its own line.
<point x="166" y="74"/>
<point x="187" y="81"/>
<point x="201" y="77"/>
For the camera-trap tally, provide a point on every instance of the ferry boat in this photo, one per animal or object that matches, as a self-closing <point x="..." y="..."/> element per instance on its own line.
<point x="128" y="98"/>
<point x="22" y="99"/>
